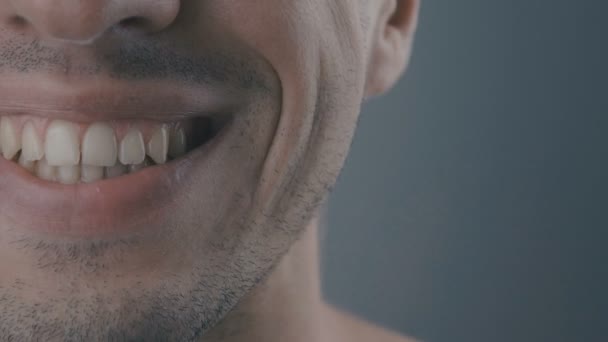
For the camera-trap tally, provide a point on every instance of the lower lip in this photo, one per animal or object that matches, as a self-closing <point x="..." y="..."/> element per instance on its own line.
<point x="117" y="206"/>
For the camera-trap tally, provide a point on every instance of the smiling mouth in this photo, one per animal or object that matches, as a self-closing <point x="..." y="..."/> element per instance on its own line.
<point x="68" y="152"/>
<point x="93" y="179"/>
<point x="98" y="159"/>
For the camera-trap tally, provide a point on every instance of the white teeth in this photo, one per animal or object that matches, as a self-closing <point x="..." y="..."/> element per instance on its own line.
<point x="62" y="147"/>
<point x="90" y="174"/>
<point x="137" y="167"/>
<point x="177" y="143"/>
<point x="132" y="148"/>
<point x="26" y="164"/>
<point x="99" y="146"/>
<point x="68" y="154"/>
<point x="11" y="144"/>
<point x="158" y="145"/>
<point x="32" y="148"/>
<point x="45" y="171"/>
<point x="115" y="171"/>
<point x="68" y="174"/>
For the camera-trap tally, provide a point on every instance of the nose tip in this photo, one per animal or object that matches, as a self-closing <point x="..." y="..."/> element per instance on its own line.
<point x="86" y="20"/>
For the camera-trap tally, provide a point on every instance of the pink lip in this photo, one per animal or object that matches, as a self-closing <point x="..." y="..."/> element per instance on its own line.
<point x="110" y="207"/>
<point x="116" y="206"/>
<point x="83" y="209"/>
<point x="104" y="100"/>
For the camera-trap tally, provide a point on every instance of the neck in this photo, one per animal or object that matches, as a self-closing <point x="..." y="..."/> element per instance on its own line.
<point x="287" y="306"/>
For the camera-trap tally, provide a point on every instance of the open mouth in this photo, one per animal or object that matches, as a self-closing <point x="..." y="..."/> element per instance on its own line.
<point x="69" y="153"/>
<point x="106" y="177"/>
<point x="98" y="159"/>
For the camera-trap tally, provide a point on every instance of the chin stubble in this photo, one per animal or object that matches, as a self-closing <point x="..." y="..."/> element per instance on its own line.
<point x="179" y="308"/>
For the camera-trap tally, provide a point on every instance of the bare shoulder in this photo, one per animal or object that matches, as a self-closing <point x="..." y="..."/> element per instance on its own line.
<point x="350" y="328"/>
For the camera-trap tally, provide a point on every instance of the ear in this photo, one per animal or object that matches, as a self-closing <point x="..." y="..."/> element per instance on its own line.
<point x="391" y="44"/>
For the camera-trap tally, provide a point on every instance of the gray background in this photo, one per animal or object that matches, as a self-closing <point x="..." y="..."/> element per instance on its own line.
<point x="472" y="207"/>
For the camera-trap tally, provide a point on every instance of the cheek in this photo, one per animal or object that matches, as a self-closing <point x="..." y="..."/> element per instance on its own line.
<point x="297" y="38"/>
<point x="316" y="54"/>
<point x="285" y="33"/>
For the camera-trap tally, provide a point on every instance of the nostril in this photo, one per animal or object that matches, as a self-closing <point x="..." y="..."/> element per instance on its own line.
<point x="18" y="21"/>
<point x="135" y="22"/>
<point x="84" y="21"/>
<point x="131" y="21"/>
<point x="142" y="23"/>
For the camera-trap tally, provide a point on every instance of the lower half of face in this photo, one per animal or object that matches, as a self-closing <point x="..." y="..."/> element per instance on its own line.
<point x="150" y="181"/>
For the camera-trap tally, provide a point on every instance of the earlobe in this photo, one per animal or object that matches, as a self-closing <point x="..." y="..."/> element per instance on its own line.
<point x="391" y="44"/>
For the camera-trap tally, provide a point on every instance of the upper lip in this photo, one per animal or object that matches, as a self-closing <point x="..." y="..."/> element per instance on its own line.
<point x="113" y="100"/>
<point x="124" y="202"/>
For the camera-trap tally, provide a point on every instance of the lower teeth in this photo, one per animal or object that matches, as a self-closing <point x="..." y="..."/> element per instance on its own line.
<point x="130" y="157"/>
<point x="78" y="173"/>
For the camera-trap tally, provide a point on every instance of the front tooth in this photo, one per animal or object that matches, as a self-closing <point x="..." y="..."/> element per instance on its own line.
<point x="177" y="143"/>
<point x="45" y="171"/>
<point x="61" y="147"/>
<point x="158" y="145"/>
<point x="32" y="149"/>
<point x="27" y="164"/>
<point x="68" y="174"/>
<point x="132" y="148"/>
<point x="138" y="167"/>
<point x="99" y="145"/>
<point x="90" y="174"/>
<point x="116" y="170"/>
<point x="11" y="144"/>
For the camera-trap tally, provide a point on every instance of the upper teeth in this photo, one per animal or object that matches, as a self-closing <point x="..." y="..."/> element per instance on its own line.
<point x="158" y="146"/>
<point x="61" y="147"/>
<point x="99" y="147"/>
<point x="31" y="146"/>
<point x="70" y="153"/>
<point x="132" y="148"/>
<point x="10" y="143"/>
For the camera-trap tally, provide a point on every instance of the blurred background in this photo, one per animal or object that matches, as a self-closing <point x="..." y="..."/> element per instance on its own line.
<point x="474" y="204"/>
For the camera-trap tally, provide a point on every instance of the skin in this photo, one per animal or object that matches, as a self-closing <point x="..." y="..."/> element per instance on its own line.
<point x="239" y="262"/>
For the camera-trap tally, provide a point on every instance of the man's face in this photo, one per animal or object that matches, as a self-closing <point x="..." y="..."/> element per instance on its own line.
<point x="266" y="93"/>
